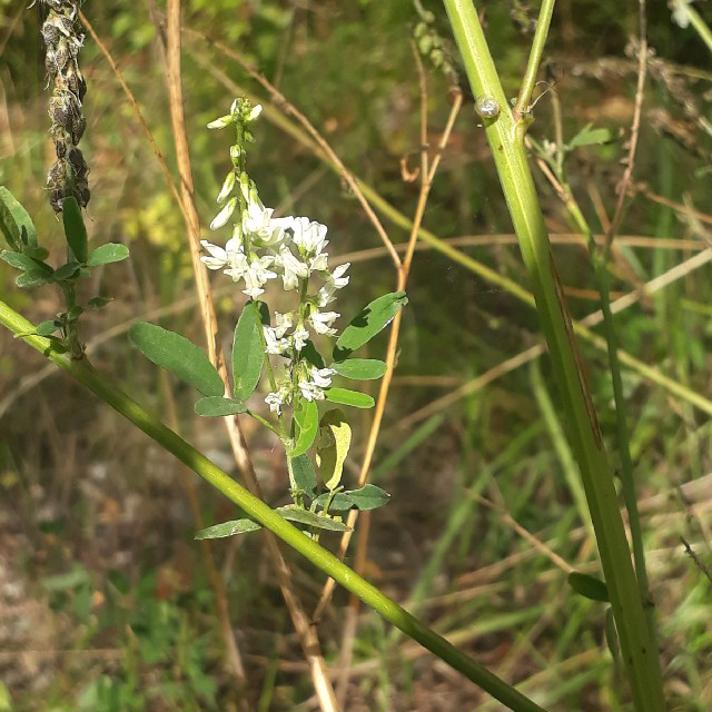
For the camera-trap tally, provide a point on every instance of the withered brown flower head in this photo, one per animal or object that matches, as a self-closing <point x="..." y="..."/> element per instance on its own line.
<point x="63" y="40"/>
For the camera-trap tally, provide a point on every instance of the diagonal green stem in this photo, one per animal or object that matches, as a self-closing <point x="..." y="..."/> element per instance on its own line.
<point x="506" y="138"/>
<point x="324" y="560"/>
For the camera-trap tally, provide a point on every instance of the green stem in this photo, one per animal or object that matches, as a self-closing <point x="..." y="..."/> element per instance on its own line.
<point x="324" y="560"/>
<point x="523" y="105"/>
<point x="700" y="26"/>
<point x="506" y="138"/>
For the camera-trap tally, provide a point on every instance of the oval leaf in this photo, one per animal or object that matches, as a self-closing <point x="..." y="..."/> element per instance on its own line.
<point x="219" y="406"/>
<point x="248" y="351"/>
<point x="74" y="229"/>
<point x="311" y="519"/>
<point x="15" y="223"/>
<point x="368" y="497"/>
<point x="32" y="278"/>
<point x="334" y="443"/>
<point x="24" y="262"/>
<point x="236" y="526"/>
<point x="178" y="355"/>
<point x="340" y="502"/>
<point x="344" y="396"/>
<point x="302" y="474"/>
<point x="368" y="322"/>
<point x="306" y="426"/>
<point x="106" y="254"/>
<point x="360" y="369"/>
<point x="589" y="586"/>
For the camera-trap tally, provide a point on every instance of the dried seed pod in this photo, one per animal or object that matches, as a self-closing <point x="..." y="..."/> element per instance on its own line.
<point x="63" y="41"/>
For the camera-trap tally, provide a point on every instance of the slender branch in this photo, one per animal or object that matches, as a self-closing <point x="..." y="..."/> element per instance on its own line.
<point x="324" y="560"/>
<point x="543" y="22"/>
<point x="505" y="134"/>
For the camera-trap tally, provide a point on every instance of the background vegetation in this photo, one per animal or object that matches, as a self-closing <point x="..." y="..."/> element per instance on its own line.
<point x="105" y="603"/>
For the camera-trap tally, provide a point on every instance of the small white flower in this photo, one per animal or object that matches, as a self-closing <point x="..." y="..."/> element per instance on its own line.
<point x="321" y="322"/>
<point x="309" y="236"/>
<point x="312" y="387"/>
<point x="255" y="112"/>
<point x="275" y="401"/>
<point x="221" y="256"/>
<point x="292" y="269"/>
<point x="300" y="338"/>
<point x="284" y="323"/>
<point x="335" y="280"/>
<point x="680" y="15"/>
<point x="224" y="215"/>
<point x="227" y="186"/>
<point x="221" y="123"/>
<point x="257" y="222"/>
<point x="274" y="344"/>
<point x="256" y="275"/>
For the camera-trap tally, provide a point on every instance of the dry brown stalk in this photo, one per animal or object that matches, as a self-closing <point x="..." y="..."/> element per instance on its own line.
<point x="307" y="635"/>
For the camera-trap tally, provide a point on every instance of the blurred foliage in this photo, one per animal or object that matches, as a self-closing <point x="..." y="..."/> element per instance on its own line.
<point x="96" y="537"/>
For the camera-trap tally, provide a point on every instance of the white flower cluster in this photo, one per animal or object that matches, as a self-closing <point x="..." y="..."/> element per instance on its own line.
<point x="263" y="248"/>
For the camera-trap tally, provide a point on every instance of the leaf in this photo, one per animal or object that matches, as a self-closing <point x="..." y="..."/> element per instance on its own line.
<point x="74" y="229"/>
<point x="344" y="396"/>
<point x="178" y="355"/>
<point x="15" y="222"/>
<point x="360" y="369"/>
<point x="304" y="477"/>
<point x="248" y="352"/>
<point x="32" y="278"/>
<point x="66" y="272"/>
<point x="46" y="328"/>
<point x="588" y="586"/>
<point x="236" y="526"/>
<point x="334" y="443"/>
<point x="368" y="322"/>
<point x="310" y="353"/>
<point x="99" y="302"/>
<point x="311" y="519"/>
<point x="365" y="498"/>
<point x="219" y="406"/>
<point x="306" y="423"/>
<point x="368" y="497"/>
<point x="588" y="136"/>
<point x="22" y="261"/>
<point x="108" y="253"/>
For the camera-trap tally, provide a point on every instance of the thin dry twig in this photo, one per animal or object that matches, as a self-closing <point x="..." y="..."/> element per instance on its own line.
<point x="307" y="635"/>
<point x="427" y="178"/>
<point x="635" y="126"/>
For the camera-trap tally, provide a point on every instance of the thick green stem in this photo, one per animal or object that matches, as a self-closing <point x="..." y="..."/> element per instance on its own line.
<point x="506" y="138"/>
<point x="324" y="560"/>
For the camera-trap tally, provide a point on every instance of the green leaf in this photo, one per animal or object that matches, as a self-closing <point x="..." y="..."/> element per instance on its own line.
<point x="368" y="497"/>
<point x="368" y="322"/>
<point x="360" y="369"/>
<point x="22" y="261"/>
<point x="303" y="475"/>
<point x="310" y="353"/>
<point x="99" y="302"/>
<point x="311" y="519"/>
<point x="306" y="426"/>
<point x="218" y="406"/>
<point x="334" y="443"/>
<point x="588" y="586"/>
<point x="248" y="351"/>
<point x="344" y="396"/>
<point x="66" y="272"/>
<point x="15" y="222"/>
<point x="36" y="253"/>
<point x="365" y="498"/>
<point x="236" y="526"/>
<point x="108" y="253"/>
<point x="46" y="328"/>
<point x="32" y="278"/>
<point x="178" y="355"/>
<point x="74" y="229"/>
<point x="588" y="136"/>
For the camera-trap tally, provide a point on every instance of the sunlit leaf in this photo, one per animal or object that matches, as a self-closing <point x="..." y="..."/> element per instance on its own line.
<point x="344" y="396"/>
<point x="360" y="369"/>
<point x="178" y="355"/>
<point x="108" y="253"/>
<point x="334" y="443"/>
<point x="306" y="421"/>
<point x="15" y="222"/>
